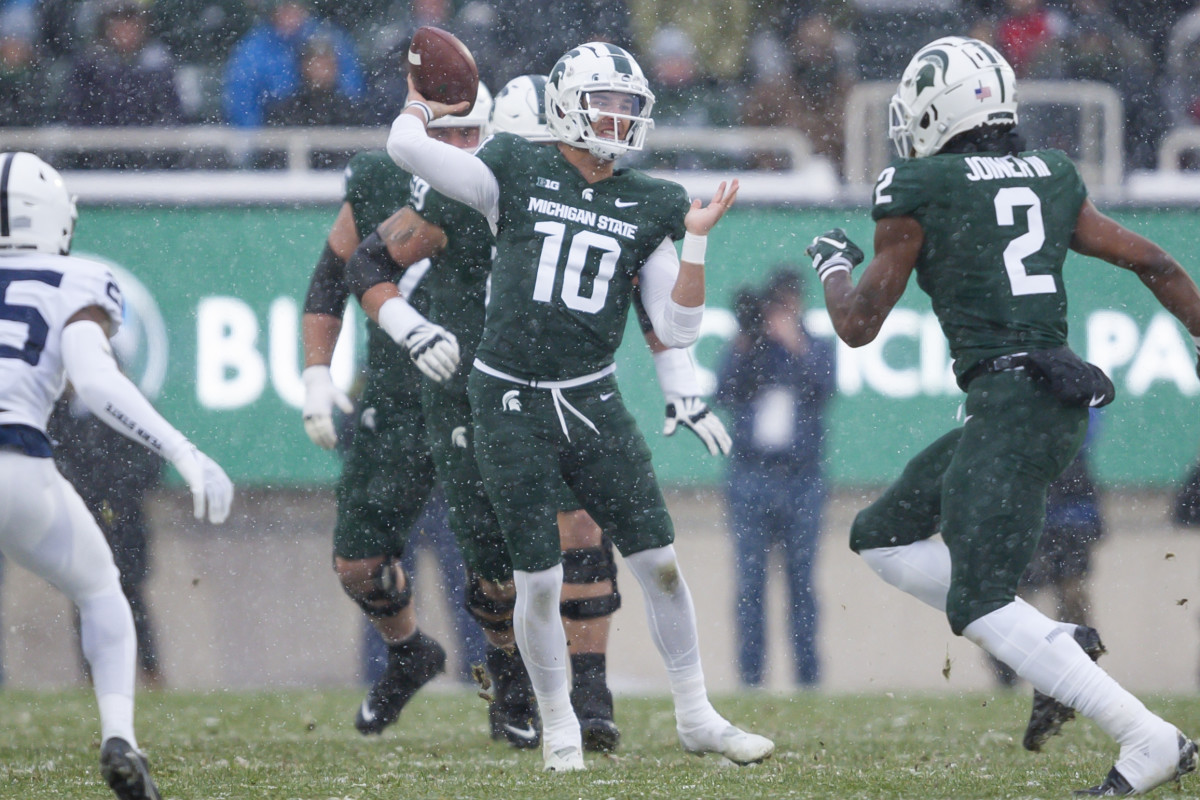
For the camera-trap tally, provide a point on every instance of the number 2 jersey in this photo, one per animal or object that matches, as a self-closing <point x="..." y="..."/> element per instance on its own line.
<point x="997" y="230"/>
<point x="568" y="252"/>
<point x="39" y="292"/>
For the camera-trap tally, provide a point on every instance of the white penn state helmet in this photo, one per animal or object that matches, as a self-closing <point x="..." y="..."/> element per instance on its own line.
<point x="479" y="116"/>
<point x="952" y="84"/>
<point x="597" y="67"/>
<point x="520" y="108"/>
<point x="36" y="211"/>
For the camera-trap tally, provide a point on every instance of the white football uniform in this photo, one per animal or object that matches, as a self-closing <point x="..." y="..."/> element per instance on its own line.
<point x="38" y="294"/>
<point x="44" y="524"/>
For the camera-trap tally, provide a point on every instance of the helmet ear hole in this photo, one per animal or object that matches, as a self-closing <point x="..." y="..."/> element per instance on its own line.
<point x="924" y="123"/>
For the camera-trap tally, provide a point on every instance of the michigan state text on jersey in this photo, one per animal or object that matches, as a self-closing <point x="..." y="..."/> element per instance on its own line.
<point x="572" y="234"/>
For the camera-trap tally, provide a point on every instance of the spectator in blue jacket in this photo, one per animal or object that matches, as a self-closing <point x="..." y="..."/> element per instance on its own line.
<point x="264" y="66"/>
<point x="776" y="380"/>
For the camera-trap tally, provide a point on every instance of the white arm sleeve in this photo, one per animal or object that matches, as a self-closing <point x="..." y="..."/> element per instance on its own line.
<point x="453" y="172"/>
<point x="88" y="360"/>
<point x="675" y="325"/>
<point x="676" y="371"/>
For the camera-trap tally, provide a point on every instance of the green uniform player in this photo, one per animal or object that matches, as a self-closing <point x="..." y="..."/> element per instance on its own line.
<point x="573" y="235"/>
<point x="460" y="243"/>
<point x="388" y="472"/>
<point x="986" y="225"/>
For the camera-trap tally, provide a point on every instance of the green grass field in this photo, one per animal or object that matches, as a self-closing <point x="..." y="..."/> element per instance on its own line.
<point x="301" y="745"/>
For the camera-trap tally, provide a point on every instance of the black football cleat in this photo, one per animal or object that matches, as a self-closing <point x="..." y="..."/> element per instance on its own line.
<point x="594" y="706"/>
<point x="126" y="771"/>
<point x="410" y="665"/>
<point x="1115" y="785"/>
<point x="512" y="714"/>
<point x="1048" y="715"/>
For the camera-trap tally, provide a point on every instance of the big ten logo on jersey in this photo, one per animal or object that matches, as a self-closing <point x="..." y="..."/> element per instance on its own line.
<point x="141" y="345"/>
<point x="546" y="183"/>
<point x="231" y="370"/>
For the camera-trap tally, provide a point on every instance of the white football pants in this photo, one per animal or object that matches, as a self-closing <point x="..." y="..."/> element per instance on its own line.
<point x="46" y="528"/>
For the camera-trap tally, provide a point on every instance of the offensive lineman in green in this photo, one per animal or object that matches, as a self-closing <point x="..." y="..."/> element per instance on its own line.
<point x="572" y="235"/>
<point x="388" y="473"/>
<point x="986" y="225"/>
<point x="459" y="242"/>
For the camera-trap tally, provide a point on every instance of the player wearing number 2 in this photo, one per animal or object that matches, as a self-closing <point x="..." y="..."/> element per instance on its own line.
<point x="573" y="233"/>
<point x="986" y="226"/>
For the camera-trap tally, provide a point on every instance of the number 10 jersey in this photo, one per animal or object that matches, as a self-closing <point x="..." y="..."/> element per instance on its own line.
<point x="568" y="252"/>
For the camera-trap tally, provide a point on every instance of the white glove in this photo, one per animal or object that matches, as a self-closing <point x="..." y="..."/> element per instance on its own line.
<point x="434" y="350"/>
<point x="210" y="485"/>
<point x="320" y="396"/>
<point x="693" y="413"/>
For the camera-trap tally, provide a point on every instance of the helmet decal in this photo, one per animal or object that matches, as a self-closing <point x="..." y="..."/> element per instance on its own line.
<point x="592" y="69"/>
<point x="952" y="85"/>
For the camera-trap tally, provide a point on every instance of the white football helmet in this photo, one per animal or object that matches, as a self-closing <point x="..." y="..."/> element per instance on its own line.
<point x="479" y="116"/>
<point x="597" y="67"/>
<point x="520" y="108"/>
<point x="952" y="84"/>
<point x="36" y="212"/>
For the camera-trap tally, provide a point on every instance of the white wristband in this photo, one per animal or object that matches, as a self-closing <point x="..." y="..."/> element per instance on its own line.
<point x="693" y="248"/>
<point x="398" y="318"/>
<point x="827" y="271"/>
<point x="426" y="109"/>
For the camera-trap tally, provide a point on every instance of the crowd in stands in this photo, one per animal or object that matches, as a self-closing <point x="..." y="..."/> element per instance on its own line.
<point x="251" y="63"/>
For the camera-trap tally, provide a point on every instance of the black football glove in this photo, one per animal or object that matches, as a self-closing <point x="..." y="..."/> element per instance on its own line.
<point x="832" y="252"/>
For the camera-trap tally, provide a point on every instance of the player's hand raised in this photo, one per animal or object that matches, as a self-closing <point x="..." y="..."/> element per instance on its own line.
<point x="832" y="252"/>
<point x="701" y="218"/>
<point x="437" y="109"/>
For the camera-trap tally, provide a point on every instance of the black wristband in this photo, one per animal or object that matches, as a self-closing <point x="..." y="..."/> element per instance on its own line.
<point x="371" y="264"/>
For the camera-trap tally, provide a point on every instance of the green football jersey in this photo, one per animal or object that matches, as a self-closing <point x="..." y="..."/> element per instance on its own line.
<point x="567" y="253"/>
<point x="997" y="229"/>
<point x="456" y="282"/>
<point x="375" y="189"/>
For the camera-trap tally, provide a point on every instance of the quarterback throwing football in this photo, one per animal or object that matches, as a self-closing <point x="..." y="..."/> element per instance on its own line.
<point x="573" y="234"/>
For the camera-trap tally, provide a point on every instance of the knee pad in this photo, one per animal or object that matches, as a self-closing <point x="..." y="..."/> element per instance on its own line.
<point x="491" y="614"/>
<point x="590" y="565"/>
<point x="383" y="599"/>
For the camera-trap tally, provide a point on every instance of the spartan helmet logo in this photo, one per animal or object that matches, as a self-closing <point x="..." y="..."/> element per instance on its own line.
<point x="588" y="194"/>
<point x="511" y="400"/>
<point x="458" y="437"/>
<point x="934" y="64"/>
<point x="952" y="85"/>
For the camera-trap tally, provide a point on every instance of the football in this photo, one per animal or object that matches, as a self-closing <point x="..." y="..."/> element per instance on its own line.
<point x="443" y="69"/>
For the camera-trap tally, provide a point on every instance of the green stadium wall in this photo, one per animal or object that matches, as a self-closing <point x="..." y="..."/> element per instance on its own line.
<point x="224" y="362"/>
